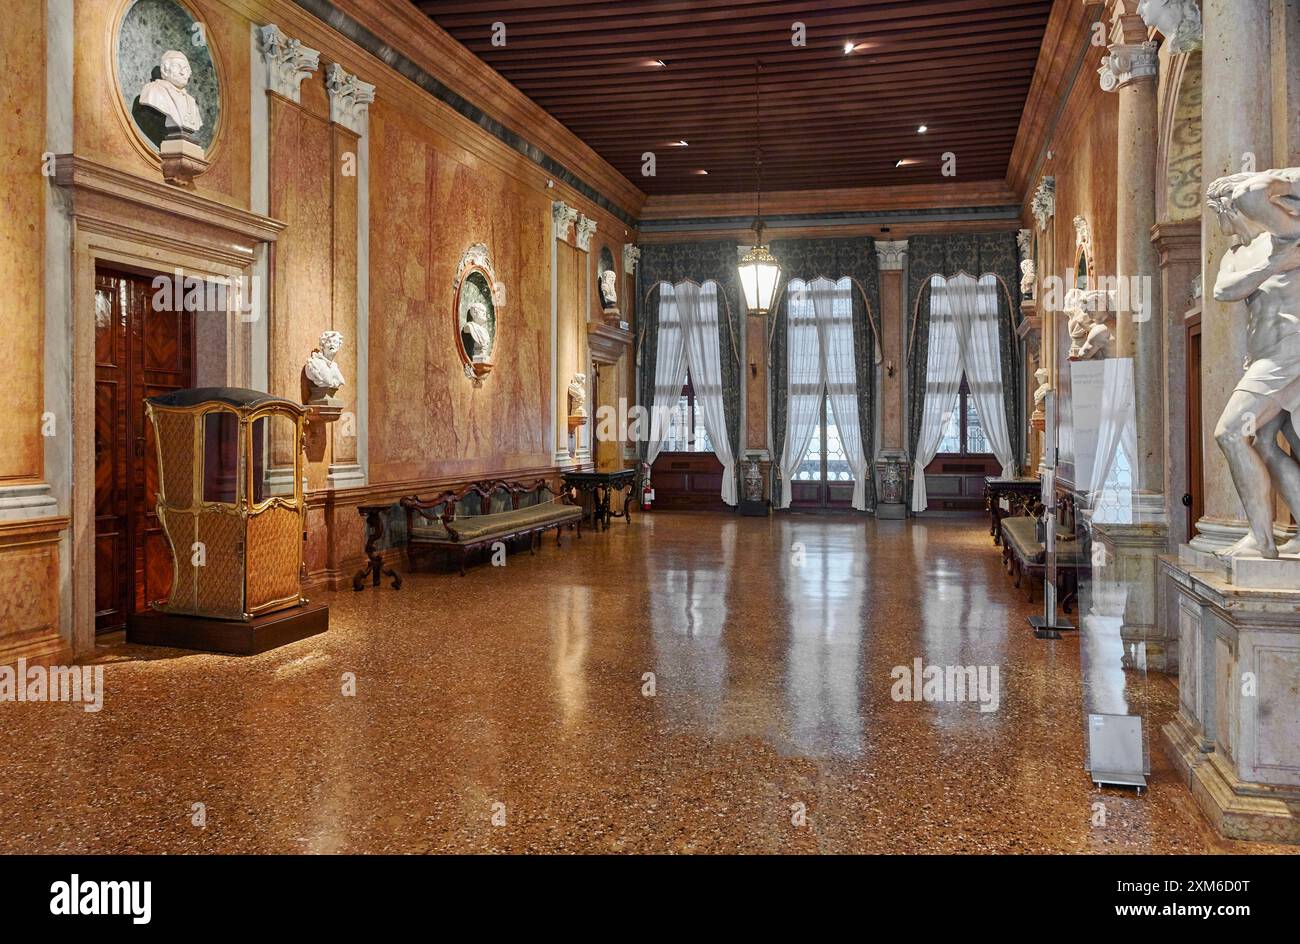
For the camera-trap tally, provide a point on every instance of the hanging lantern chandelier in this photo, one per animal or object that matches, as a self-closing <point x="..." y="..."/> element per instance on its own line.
<point x="759" y="271"/>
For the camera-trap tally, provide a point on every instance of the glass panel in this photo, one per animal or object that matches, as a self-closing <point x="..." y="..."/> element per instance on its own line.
<point x="268" y="480"/>
<point x="951" y="441"/>
<point x="975" y="441"/>
<point x="677" y="427"/>
<point x="810" y="469"/>
<point x="701" y="435"/>
<point x="837" y="462"/>
<point x="220" y="457"/>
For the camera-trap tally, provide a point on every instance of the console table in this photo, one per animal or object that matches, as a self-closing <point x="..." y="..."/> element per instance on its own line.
<point x="1020" y="494"/>
<point x="601" y="486"/>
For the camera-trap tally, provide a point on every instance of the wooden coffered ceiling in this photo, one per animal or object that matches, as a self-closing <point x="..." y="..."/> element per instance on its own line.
<point x="830" y="120"/>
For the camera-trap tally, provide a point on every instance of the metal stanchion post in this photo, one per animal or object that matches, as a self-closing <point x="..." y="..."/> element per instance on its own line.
<point x="1049" y="625"/>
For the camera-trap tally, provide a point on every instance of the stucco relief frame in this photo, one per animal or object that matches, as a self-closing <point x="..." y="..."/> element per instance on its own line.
<point x="139" y="143"/>
<point x="476" y="269"/>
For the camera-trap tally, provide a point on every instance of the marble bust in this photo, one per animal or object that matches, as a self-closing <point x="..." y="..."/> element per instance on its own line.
<point x="168" y="96"/>
<point x="1262" y="211"/>
<point x="608" y="290"/>
<point x="477" y="334"/>
<point x="1027" y="278"/>
<point x="323" y="374"/>
<point x="1179" y="21"/>
<point x="578" y="395"/>
<point x="1041" y="375"/>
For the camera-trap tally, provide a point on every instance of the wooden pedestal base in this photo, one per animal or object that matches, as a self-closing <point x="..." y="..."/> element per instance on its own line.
<point x="259" y="634"/>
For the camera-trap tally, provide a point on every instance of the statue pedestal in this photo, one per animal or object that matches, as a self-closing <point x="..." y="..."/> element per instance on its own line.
<point x="1236" y="737"/>
<point x="1256" y="573"/>
<point x="182" y="159"/>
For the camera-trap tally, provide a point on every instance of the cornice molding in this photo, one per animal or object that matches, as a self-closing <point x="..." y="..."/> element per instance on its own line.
<point x="398" y="34"/>
<point x="1066" y="50"/>
<point x="143" y="198"/>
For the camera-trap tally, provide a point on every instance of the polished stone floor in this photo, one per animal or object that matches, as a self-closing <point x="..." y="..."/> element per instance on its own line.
<point x="521" y="693"/>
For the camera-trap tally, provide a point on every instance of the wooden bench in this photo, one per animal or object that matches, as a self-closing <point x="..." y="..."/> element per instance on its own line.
<point x="1025" y="556"/>
<point x="483" y="513"/>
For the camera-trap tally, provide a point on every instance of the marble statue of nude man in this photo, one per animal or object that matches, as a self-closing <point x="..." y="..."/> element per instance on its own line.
<point x="1263" y="211"/>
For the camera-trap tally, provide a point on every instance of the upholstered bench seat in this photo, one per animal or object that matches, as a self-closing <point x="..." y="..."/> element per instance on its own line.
<point x="486" y="512"/>
<point x="1025" y="556"/>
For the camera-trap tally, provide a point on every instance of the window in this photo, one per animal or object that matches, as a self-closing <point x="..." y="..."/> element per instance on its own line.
<point x="686" y="432"/>
<point x="963" y="435"/>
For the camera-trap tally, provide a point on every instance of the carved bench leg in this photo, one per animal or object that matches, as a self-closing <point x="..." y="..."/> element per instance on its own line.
<point x="464" y="552"/>
<point x="558" y="530"/>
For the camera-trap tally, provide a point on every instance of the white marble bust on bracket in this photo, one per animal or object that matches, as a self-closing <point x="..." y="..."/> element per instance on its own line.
<point x="609" y="290"/>
<point x="323" y="374"/>
<point x="578" y="395"/>
<point x="167" y="94"/>
<point x="1041" y="375"/>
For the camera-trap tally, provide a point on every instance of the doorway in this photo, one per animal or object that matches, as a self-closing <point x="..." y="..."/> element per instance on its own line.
<point x="140" y="351"/>
<point x="823" y="479"/>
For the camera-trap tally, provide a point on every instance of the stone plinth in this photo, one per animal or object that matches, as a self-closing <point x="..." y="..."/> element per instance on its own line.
<point x="1236" y="737"/>
<point x="1126" y="568"/>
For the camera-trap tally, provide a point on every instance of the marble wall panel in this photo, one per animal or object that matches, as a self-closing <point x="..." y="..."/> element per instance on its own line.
<point x="22" y="234"/>
<point x="431" y="199"/>
<point x="104" y="130"/>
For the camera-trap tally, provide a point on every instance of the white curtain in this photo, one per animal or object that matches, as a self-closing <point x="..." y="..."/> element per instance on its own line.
<point x="1117" y="429"/>
<point x="942" y="383"/>
<point x="670" y="371"/>
<point x="833" y="305"/>
<point x="803" y="389"/>
<point x="697" y="307"/>
<point x="974" y="306"/>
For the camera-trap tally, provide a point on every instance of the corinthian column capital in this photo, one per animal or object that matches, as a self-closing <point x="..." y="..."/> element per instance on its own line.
<point x="1126" y="65"/>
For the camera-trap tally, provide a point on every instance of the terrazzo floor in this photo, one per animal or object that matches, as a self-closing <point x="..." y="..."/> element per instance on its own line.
<point x="510" y="710"/>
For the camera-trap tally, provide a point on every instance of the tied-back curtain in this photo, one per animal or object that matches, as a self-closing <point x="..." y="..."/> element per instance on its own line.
<point x="803" y="392"/>
<point x="939" y="395"/>
<point x="979" y="253"/>
<point x="669" y="371"/>
<point x="697" y="306"/>
<point x="974" y="306"/>
<point x="698" y="262"/>
<point x="833" y="304"/>
<point x="807" y="259"/>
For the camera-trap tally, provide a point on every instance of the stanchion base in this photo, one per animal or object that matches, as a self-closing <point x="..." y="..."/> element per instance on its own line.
<point x="1049" y="629"/>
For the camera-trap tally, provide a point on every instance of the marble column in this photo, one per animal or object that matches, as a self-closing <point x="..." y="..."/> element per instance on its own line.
<point x="1130" y="71"/>
<point x="1128" y="564"/>
<point x="1238" y="136"/>
<point x="891" y="257"/>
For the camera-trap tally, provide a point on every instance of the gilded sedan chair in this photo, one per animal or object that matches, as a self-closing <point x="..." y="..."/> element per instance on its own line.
<point x="230" y="499"/>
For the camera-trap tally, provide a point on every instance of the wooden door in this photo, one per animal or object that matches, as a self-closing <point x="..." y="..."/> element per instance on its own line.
<point x="1195" y="433"/>
<point x="139" y="352"/>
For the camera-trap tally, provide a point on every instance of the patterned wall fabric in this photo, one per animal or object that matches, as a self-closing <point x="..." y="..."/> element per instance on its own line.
<point x="698" y="262"/>
<point x="975" y="254"/>
<point x="806" y="259"/>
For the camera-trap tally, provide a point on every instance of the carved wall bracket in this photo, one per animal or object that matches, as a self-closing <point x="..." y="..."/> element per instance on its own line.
<point x="586" y="228"/>
<point x="349" y="97"/>
<point x="564" y="217"/>
<point x="288" y="62"/>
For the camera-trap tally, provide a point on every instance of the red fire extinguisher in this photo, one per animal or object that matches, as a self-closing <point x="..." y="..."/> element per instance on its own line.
<point x="647" y="493"/>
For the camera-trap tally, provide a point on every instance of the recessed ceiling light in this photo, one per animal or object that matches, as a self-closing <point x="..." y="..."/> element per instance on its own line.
<point x="702" y="173"/>
<point x="681" y="143"/>
<point x="923" y="129"/>
<point x="848" y="47"/>
<point x="658" y="62"/>
<point x="907" y="162"/>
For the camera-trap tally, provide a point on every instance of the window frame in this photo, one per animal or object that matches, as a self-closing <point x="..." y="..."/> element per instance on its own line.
<point x="703" y="446"/>
<point x="963" y="408"/>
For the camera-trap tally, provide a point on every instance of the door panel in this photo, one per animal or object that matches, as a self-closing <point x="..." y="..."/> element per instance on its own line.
<point x="139" y="353"/>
